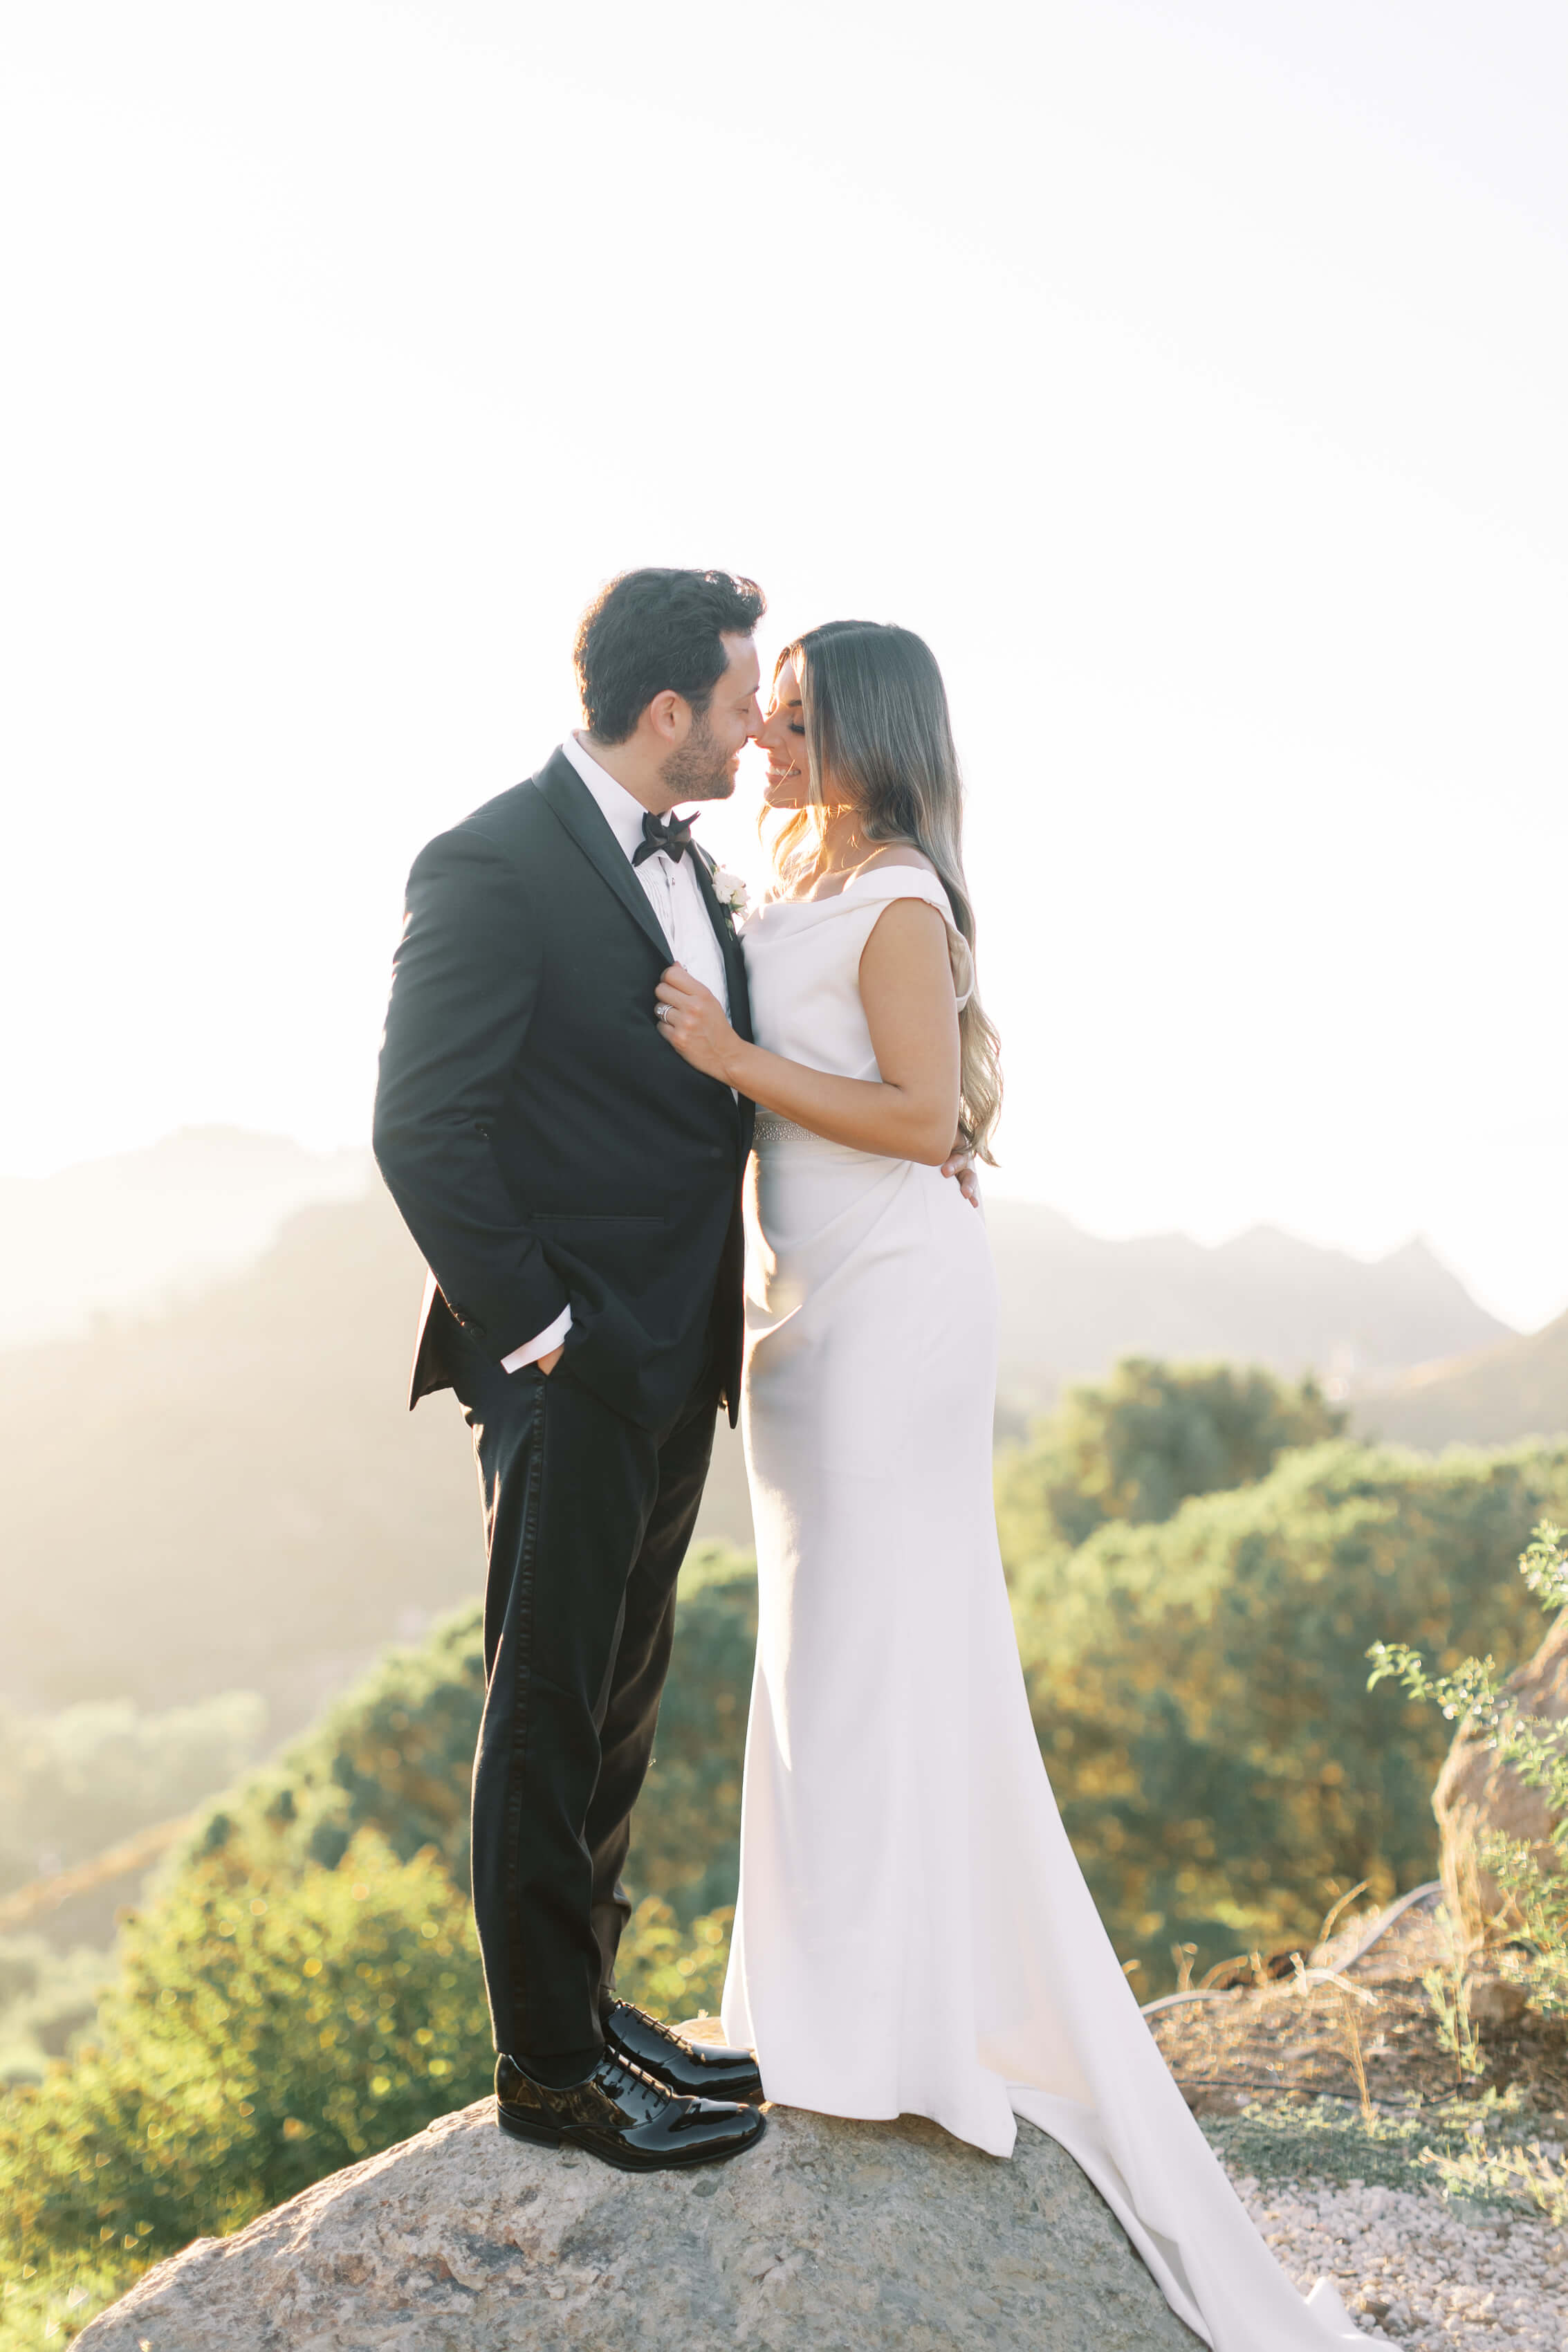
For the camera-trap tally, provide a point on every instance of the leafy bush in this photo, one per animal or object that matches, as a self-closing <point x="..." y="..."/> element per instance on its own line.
<point x="267" y="2028"/>
<point x="1134" y="1446"/>
<point x="685" y="1832"/>
<point x="255" y="2041"/>
<point x="672" y="1971"/>
<point x="71" y="1785"/>
<point x="1198" y="1686"/>
<point x="1537" y="1750"/>
<point x="396" y="1753"/>
<point x="305" y="1987"/>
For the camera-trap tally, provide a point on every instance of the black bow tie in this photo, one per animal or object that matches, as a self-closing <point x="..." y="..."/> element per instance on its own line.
<point x="673" y="835"/>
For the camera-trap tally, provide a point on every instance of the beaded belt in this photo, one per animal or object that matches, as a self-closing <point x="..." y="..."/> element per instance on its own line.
<point x="771" y="1129"/>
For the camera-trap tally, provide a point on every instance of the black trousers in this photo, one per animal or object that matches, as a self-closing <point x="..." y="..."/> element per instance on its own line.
<point x="587" y="1520"/>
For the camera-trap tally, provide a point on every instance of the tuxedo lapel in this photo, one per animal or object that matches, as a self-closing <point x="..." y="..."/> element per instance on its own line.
<point x="729" y="948"/>
<point x="574" y="804"/>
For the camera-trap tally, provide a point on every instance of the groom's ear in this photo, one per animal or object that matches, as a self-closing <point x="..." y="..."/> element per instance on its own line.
<point x="669" y="716"/>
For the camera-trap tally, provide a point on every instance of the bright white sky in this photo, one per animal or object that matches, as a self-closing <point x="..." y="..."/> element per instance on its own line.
<point x="1192" y="376"/>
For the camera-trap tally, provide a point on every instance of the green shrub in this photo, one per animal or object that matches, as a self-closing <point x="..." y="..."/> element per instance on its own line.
<point x="672" y="1971"/>
<point x="1536" y="1747"/>
<point x="304" y="1987"/>
<point x="1198" y="1686"/>
<point x="254" y="2041"/>
<point x="1134" y="1446"/>
<point x="685" y="1832"/>
<point x="264" y="2032"/>
<point x="396" y="1753"/>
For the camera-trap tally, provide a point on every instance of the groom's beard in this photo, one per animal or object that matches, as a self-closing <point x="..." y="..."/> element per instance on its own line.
<point x="698" y="770"/>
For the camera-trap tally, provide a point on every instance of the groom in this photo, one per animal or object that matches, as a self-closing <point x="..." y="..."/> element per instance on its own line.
<point x="574" y="1189"/>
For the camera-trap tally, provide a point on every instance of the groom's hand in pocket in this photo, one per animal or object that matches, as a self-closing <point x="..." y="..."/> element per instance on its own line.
<point x="547" y="1364"/>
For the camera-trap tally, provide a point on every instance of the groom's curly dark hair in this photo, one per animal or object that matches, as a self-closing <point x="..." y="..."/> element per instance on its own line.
<point x="658" y="630"/>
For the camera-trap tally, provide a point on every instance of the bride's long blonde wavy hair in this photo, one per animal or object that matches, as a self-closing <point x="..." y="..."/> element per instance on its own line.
<point x="874" y="711"/>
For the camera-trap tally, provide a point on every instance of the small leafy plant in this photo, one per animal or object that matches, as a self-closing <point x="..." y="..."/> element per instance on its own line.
<point x="1528" y="2173"/>
<point x="1536" y="1748"/>
<point x="1484" y="2167"/>
<point x="1448" y="1990"/>
<point x="1474" y="2145"/>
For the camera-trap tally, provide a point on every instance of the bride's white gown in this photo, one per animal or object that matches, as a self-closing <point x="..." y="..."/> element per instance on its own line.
<point x="914" y="1935"/>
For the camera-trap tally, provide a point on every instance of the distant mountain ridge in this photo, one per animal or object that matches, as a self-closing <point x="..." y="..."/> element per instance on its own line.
<point x="228" y="1493"/>
<point x="127" y="1233"/>
<point x="1516" y="1389"/>
<point x="114" y="1235"/>
<point x="1072" y="1303"/>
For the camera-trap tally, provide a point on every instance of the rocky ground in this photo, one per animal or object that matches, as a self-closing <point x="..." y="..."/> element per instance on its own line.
<point x="1328" y="2089"/>
<point x="843" y="2237"/>
<point x="1328" y="2101"/>
<point x="1406" y="2264"/>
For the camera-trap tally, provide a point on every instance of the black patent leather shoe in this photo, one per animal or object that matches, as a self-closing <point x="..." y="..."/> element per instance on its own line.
<point x="624" y="2116"/>
<point x="703" y="2070"/>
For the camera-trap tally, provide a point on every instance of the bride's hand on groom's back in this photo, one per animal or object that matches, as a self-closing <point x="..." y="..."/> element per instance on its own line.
<point x="960" y="1162"/>
<point x="692" y="1021"/>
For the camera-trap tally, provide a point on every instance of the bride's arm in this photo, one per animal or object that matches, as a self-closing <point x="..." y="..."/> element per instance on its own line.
<point x="906" y="990"/>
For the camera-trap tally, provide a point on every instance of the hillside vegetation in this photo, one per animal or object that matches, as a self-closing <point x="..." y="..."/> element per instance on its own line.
<point x="264" y="1514"/>
<point x="303" y="1987"/>
<point x="78" y="1781"/>
<point x="1198" y="1685"/>
<point x="73" y="1788"/>
<point x="1136" y="1446"/>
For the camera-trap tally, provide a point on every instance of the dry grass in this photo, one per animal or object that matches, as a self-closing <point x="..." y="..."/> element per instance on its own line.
<point x="1369" y="2033"/>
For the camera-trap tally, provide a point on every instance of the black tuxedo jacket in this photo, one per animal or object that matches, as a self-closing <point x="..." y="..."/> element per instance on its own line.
<point x="544" y="1144"/>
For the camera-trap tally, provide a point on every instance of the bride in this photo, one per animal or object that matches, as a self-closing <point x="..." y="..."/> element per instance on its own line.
<point x="912" y="1934"/>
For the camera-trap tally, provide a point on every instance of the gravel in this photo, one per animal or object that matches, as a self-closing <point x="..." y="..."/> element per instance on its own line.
<point x="1424" y="2272"/>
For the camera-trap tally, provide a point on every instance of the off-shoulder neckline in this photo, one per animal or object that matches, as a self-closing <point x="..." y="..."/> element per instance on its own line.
<point x="863" y="876"/>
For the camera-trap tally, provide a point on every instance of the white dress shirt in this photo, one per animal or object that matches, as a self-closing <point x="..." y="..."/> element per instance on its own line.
<point x="675" y="895"/>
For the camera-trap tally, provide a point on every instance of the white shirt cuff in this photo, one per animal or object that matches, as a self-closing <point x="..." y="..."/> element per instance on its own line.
<point x="535" y="1348"/>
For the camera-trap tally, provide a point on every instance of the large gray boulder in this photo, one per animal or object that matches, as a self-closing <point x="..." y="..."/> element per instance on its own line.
<point x="1477" y="1795"/>
<point x="831" y="2236"/>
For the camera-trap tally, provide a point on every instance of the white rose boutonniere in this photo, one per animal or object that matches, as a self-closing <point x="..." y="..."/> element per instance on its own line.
<point x="730" y="892"/>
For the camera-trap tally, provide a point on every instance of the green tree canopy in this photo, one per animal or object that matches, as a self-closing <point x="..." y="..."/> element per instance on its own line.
<point x="303" y="1986"/>
<point x="395" y="1754"/>
<point x="1198" y="1685"/>
<point x="1134" y="1446"/>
